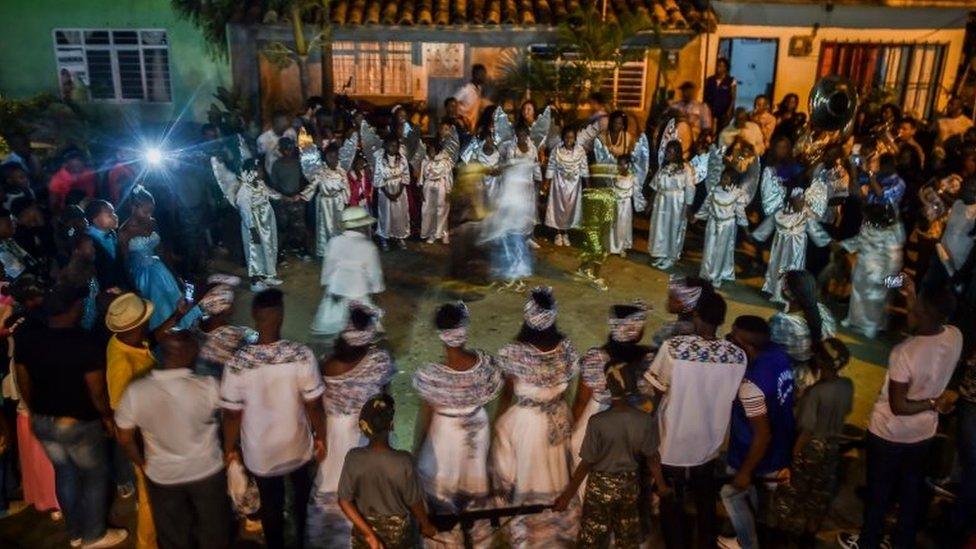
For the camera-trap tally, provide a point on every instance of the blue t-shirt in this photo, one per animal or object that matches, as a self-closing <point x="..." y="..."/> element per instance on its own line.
<point x="772" y="372"/>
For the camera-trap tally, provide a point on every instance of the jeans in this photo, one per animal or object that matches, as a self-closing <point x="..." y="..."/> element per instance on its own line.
<point x="893" y="468"/>
<point x="195" y="514"/>
<point x="77" y="451"/>
<point x="272" y="491"/>
<point x="741" y="507"/>
<point x="965" y="509"/>
<point x="674" y="522"/>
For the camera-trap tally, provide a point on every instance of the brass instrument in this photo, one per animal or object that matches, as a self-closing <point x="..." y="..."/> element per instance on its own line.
<point x="833" y="104"/>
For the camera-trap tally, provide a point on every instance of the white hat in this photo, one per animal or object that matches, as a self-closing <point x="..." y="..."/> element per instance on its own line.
<point x="356" y="216"/>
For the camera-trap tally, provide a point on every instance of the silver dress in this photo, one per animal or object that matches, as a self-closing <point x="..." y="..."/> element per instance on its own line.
<point x="254" y="203"/>
<point x="725" y="209"/>
<point x="392" y="175"/>
<point x="629" y="199"/>
<point x="436" y="179"/>
<point x="333" y="195"/>
<point x="789" y="250"/>
<point x="674" y="187"/>
<point x="511" y="153"/>
<point x="879" y="254"/>
<point x="566" y="169"/>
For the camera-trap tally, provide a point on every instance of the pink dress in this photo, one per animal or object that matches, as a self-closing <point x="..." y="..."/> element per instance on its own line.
<point x="37" y="473"/>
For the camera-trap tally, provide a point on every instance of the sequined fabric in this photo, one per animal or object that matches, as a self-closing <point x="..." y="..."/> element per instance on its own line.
<point x="599" y="213"/>
<point x="610" y="509"/>
<point x="395" y="531"/>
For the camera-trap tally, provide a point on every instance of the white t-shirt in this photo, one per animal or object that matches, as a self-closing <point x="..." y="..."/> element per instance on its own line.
<point x="926" y="363"/>
<point x="271" y="384"/>
<point x="700" y="379"/>
<point x="177" y="413"/>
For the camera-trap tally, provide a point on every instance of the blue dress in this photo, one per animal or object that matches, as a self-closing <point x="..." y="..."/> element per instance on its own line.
<point x="155" y="282"/>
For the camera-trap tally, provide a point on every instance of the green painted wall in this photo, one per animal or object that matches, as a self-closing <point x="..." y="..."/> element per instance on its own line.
<point x="28" y="65"/>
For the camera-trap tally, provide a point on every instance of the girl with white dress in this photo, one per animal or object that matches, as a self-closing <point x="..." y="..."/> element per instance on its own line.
<point x="879" y="246"/>
<point x="792" y="224"/>
<point x="453" y="430"/>
<point x="630" y="198"/>
<point x="725" y="210"/>
<point x="564" y="178"/>
<point x="674" y="187"/>
<point x="436" y="180"/>
<point x="522" y="148"/>
<point x="391" y="175"/>
<point x="331" y="185"/>
<point x="531" y="454"/>
<point x="356" y="370"/>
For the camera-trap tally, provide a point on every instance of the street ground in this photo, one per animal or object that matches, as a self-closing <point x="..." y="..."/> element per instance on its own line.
<point x="416" y="284"/>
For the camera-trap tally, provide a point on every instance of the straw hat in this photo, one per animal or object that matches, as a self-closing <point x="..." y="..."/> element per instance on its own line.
<point x="126" y="312"/>
<point x="356" y="216"/>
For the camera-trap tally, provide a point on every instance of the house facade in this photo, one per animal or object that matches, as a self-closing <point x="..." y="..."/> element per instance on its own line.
<point x="908" y="51"/>
<point x="133" y="60"/>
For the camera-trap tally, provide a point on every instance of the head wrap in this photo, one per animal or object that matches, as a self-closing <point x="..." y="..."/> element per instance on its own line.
<point x="225" y="279"/>
<point x="537" y="317"/>
<point x="629" y="328"/>
<point x="356" y="337"/>
<point x="457" y="336"/>
<point x="376" y="416"/>
<point x="684" y="294"/>
<point x="217" y="299"/>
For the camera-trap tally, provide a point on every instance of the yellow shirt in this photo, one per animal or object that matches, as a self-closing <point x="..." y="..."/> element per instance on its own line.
<point x="123" y="364"/>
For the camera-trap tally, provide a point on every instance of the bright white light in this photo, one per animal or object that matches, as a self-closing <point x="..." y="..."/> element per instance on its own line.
<point x="154" y="156"/>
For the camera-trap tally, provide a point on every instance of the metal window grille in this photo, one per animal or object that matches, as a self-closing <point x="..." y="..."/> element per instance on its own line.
<point x="626" y="85"/>
<point x="912" y="72"/>
<point x="118" y="65"/>
<point x="373" y="68"/>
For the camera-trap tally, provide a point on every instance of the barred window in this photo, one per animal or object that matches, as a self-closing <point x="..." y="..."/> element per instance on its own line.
<point x="373" y="68"/>
<point x="912" y="72"/>
<point x="115" y="65"/>
<point x="625" y="85"/>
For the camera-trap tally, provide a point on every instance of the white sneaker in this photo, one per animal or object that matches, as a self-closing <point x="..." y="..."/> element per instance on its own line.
<point x="272" y="281"/>
<point x="558" y="241"/>
<point x="258" y="286"/>
<point x="446" y="239"/>
<point x="112" y="537"/>
<point x="430" y="240"/>
<point x="402" y="244"/>
<point x="76" y="542"/>
<point x="532" y="244"/>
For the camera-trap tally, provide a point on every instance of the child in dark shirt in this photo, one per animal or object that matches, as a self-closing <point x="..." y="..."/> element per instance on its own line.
<point x="379" y="489"/>
<point x="616" y="443"/>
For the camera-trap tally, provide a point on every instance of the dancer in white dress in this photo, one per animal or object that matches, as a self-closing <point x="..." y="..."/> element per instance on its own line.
<point x="801" y="326"/>
<point x="328" y="181"/>
<point x="564" y="175"/>
<point x="725" y="210"/>
<point x="356" y="370"/>
<point x="351" y="271"/>
<point x="530" y="455"/>
<point x="792" y="225"/>
<point x="674" y="186"/>
<point x="483" y="150"/>
<point x="623" y="346"/>
<point x="391" y="175"/>
<point x="519" y="149"/>
<point x="453" y="430"/>
<point x="879" y="247"/>
<point x="436" y="180"/>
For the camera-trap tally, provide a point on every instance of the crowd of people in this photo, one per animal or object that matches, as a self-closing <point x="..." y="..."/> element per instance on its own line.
<point x="127" y="374"/>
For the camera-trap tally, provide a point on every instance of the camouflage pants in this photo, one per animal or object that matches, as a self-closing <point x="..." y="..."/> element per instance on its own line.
<point x="610" y="508"/>
<point x="395" y="531"/>
<point x="800" y="506"/>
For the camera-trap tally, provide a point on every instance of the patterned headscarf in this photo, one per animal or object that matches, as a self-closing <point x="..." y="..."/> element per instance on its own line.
<point x="457" y="336"/>
<point x="226" y="279"/>
<point x="356" y="337"/>
<point x="687" y="295"/>
<point x="217" y="300"/>
<point x="629" y="328"/>
<point x="376" y="417"/>
<point x="537" y="317"/>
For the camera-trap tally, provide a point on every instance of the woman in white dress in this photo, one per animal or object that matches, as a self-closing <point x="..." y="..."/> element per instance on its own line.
<point x="453" y="430"/>
<point x="391" y="175"/>
<point x="356" y="370"/>
<point x="725" y="210"/>
<point x="626" y="325"/>
<point x="522" y="148"/>
<point x="436" y="180"/>
<point x="674" y="187"/>
<point x="878" y="247"/>
<point x="565" y="173"/>
<point x="792" y="224"/>
<point x="330" y="183"/>
<point x="531" y="454"/>
<point x="801" y="326"/>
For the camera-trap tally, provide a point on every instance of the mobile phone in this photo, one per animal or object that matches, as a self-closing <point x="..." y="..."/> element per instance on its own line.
<point x="894" y="281"/>
<point x="188" y="290"/>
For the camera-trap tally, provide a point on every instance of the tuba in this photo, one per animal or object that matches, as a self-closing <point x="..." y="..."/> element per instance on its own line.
<point x="833" y="104"/>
